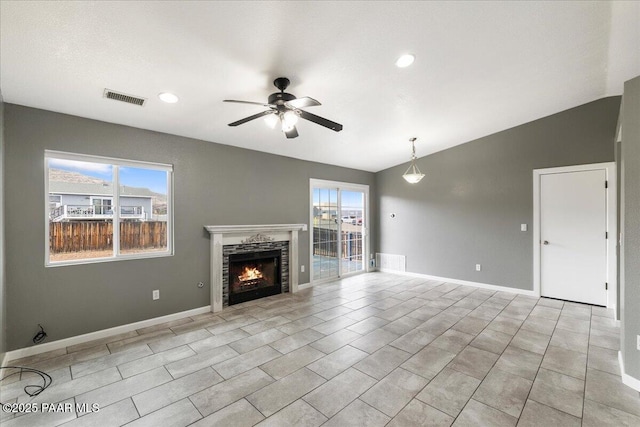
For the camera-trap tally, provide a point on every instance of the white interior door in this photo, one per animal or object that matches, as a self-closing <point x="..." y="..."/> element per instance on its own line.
<point x="573" y="221"/>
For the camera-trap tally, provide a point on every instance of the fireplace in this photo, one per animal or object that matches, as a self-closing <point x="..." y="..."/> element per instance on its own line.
<point x="254" y="275"/>
<point x="231" y="240"/>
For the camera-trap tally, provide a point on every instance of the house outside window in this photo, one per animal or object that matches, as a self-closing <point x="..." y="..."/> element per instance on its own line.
<point x="104" y="209"/>
<point x="54" y="201"/>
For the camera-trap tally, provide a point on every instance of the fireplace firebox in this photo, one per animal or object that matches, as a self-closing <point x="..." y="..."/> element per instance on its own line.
<point x="254" y="275"/>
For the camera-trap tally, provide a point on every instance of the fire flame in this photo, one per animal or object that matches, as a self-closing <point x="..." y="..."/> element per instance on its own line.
<point x="250" y="273"/>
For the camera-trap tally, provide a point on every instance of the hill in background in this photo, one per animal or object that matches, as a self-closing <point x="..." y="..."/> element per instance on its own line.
<point x="59" y="175"/>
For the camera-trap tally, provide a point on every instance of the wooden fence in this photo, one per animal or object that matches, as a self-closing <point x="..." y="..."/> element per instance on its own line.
<point x="81" y="236"/>
<point x="143" y="235"/>
<point x="327" y="243"/>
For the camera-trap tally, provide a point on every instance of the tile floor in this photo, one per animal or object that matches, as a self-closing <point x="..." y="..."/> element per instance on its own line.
<point x="371" y="350"/>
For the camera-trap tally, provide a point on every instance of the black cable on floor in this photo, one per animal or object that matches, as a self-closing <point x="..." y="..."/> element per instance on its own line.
<point x="40" y="336"/>
<point x="31" y="389"/>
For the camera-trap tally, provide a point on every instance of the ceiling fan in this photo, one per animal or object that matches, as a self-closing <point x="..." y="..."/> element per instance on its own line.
<point x="286" y="108"/>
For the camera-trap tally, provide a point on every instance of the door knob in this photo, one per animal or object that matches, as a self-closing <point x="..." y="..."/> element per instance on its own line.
<point x="546" y="242"/>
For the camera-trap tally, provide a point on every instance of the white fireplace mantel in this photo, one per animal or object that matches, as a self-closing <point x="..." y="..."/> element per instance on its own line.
<point x="233" y="234"/>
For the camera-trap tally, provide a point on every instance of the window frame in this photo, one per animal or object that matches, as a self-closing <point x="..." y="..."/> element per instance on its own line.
<point x="315" y="183"/>
<point x="116" y="163"/>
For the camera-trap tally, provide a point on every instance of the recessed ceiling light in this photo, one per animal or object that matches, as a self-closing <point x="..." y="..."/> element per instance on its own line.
<point x="405" y="60"/>
<point x="168" y="97"/>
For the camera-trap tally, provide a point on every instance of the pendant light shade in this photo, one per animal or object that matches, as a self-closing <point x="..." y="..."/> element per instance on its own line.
<point x="413" y="174"/>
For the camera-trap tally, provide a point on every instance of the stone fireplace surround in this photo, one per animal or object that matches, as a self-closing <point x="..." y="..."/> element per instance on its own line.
<point x="238" y="235"/>
<point x="257" y="245"/>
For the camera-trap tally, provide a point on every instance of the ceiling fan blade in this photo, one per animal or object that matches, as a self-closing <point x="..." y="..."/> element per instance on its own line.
<point x="255" y="116"/>
<point x="302" y="102"/>
<point x="321" y="121"/>
<point x="293" y="133"/>
<point x="248" y="102"/>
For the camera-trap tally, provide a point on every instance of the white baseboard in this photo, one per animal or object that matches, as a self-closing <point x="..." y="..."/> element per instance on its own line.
<point x="627" y="379"/>
<point x="79" y="339"/>
<point x="304" y="286"/>
<point x="463" y="282"/>
<point x="4" y="360"/>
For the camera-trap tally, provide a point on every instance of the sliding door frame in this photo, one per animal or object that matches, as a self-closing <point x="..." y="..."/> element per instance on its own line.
<point x="340" y="186"/>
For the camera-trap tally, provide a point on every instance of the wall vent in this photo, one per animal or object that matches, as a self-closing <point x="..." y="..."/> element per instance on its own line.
<point x="391" y="262"/>
<point x="123" y="97"/>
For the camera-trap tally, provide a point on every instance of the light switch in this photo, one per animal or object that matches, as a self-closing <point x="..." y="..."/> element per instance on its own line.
<point x="523" y="227"/>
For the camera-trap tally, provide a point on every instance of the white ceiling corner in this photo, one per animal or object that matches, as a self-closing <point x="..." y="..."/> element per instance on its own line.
<point x="481" y="67"/>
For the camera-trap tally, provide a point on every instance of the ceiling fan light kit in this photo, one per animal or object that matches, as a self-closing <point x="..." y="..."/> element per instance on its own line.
<point x="271" y="120"/>
<point x="286" y="108"/>
<point x="413" y="174"/>
<point x="289" y="120"/>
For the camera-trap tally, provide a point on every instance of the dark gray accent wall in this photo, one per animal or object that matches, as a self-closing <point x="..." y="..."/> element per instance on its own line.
<point x="630" y="224"/>
<point x="214" y="185"/>
<point x="469" y="207"/>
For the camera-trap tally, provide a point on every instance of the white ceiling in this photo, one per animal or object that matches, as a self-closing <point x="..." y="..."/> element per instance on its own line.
<point x="481" y="67"/>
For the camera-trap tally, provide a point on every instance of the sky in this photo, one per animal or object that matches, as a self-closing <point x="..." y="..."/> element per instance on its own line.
<point x="131" y="177"/>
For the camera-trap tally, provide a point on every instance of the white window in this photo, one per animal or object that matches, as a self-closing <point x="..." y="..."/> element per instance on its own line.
<point x="54" y="201"/>
<point x="105" y="209"/>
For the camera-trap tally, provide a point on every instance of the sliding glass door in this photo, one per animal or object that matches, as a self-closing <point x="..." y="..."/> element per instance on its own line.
<point x="351" y="236"/>
<point x="325" y="233"/>
<point x="339" y="215"/>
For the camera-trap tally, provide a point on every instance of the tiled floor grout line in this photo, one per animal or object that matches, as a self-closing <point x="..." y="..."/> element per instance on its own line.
<point x="496" y="361"/>
<point x="202" y="416"/>
<point x="136" y="408"/>
<point x="274" y="380"/>
<point x="325" y="382"/>
<point x="338" y="297"/>
<point x="586" y="367"/>
<point x="468" y="345"/>
<point x="254" y="406"/>
<point x="541" y="360"/>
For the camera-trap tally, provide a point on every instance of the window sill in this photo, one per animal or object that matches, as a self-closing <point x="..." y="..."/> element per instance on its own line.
<point x="108" y="259"/>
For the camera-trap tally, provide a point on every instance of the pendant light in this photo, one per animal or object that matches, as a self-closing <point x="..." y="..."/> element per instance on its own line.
<point x="413" y="174"/>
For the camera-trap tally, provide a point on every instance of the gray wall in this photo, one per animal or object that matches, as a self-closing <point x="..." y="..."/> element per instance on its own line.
<point x="469" y="207"/>
<point x="630" y="203"/>
<point x="3" y="305"/>
<point x="214" y="184"/>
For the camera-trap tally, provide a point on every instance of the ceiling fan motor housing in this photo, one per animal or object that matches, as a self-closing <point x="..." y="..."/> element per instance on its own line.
<point x="280" y="98"/>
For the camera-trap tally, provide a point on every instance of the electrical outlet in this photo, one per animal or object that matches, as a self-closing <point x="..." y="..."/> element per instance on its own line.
<point x="638" y="343"/>
<point x="523" y="227"/>
<point x="478" y="267"/>
<point x="302" y="268"/>
<point x="155" y="294"/>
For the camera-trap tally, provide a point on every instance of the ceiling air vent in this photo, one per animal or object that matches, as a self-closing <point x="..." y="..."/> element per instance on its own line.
<point x="117" y="96"/>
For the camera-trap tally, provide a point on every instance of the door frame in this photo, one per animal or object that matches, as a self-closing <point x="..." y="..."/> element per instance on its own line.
<point x="313" y="182"/>
<point x="610" y="171"/>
